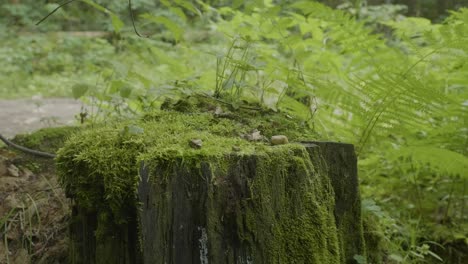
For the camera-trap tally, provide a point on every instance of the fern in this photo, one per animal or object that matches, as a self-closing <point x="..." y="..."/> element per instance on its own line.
<point x="366" y="89"/>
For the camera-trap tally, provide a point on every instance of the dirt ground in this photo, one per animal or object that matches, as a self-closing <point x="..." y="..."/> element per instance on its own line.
<point x="33" y="207"/>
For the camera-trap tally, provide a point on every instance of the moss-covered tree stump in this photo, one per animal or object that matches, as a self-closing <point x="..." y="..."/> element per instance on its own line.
<point x="143" y="194"/>
<point x="281" y="206"/>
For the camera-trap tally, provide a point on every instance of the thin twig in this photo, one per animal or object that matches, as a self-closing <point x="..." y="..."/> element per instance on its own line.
<point x="55" y="10"/>
<point x="133" y="18"/>
<point x="26" y="150"/>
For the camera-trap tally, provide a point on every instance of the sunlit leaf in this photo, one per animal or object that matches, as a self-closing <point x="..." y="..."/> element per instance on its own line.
<point x="188" y="6"/>
<point x="125" y="91"/>
<point x="179" y="12"/>
<point x="443" y="160"/>
<point x="396" y="258"/>
<point x="116" y="85"/>
<point x="117" y="23"/>
<point x="175" y="29"/>
<point x="80" y="89"/>
<point x="97" y="6"/>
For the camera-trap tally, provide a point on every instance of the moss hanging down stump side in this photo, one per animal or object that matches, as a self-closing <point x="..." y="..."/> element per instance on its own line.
<point x="144" y="194"/>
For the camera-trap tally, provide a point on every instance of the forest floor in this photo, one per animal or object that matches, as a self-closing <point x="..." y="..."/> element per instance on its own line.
<point x="33" y="207"/>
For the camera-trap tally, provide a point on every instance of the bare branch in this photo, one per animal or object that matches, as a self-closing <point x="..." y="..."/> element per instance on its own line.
<point x="55" y="10"/>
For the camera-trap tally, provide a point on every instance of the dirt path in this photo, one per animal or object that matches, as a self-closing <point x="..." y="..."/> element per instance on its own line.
<point x="26" y="115"/>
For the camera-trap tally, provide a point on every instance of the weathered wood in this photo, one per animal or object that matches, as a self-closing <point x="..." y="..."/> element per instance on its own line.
<point x="284" y="205"/>
<point x="119" y="247"/>
<point x="341" y="166"/>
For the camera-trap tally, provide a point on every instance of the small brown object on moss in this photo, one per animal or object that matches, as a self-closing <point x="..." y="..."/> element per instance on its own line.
<point x="279" y="140"/>
<point x="196" y="143"/>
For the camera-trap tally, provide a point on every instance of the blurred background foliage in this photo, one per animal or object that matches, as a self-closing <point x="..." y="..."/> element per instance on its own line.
<point x="82" y="17"/>
<point x="390" y="77"/>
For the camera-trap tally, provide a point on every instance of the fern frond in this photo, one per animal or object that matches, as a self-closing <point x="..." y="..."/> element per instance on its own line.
<point x="441" y="160"/>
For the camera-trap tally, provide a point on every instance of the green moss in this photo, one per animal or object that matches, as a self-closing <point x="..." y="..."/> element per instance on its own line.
<point x="105" y="159"/>
<point x="46" y="139"/>
<point x="234" y="120"/>
<point x="373" y="236"/>
<point x="301" y="209"/>
<point x="272" y="203"/>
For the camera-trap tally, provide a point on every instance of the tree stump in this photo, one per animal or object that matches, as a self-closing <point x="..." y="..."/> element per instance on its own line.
<point x="287" y="204"/>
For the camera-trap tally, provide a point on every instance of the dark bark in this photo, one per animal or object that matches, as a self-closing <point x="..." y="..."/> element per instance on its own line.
<point x="307" y="211"/>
